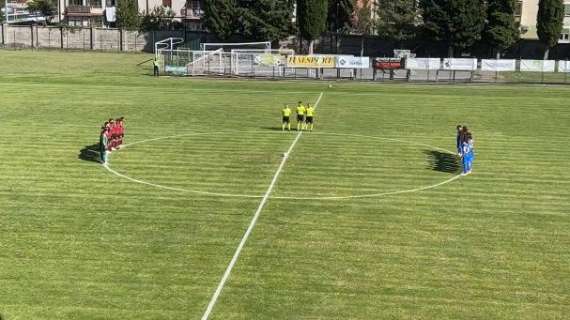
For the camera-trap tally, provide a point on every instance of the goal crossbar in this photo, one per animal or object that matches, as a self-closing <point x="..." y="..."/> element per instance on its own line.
<point x="204" y="46"/>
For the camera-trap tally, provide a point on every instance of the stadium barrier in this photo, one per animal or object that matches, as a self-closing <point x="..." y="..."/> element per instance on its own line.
<point x="284" y="64"/>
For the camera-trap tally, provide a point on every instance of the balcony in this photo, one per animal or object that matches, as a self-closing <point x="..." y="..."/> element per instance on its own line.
<point x="193" y="11"/>
<point x="94" y="9"/>
<point x="193" y="14"/>
<point x="75" y="9"/>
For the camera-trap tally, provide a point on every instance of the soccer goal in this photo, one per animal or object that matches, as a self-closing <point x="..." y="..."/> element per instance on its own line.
<point x="228" y="47"/>
<point x="259" y="62"/>
<point x="216" y="62"/>
<point x="183" y="62"/>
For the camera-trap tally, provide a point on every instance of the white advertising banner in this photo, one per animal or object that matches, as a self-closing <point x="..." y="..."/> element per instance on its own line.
<point x="498" y="65"/>
<point x="538" y="65"/>
<point x="464" y="64"/>
<point x="563" y="66"/>
<point x="423" y="63"/>
<point x="352" y="62"/>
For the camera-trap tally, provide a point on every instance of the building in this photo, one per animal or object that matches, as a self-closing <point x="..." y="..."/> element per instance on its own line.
<point x="526" y="12"/>
<point x="102" y="13"/>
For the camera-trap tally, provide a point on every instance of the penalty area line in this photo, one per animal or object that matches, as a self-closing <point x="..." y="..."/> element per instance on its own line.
<point x="235" y="257"/>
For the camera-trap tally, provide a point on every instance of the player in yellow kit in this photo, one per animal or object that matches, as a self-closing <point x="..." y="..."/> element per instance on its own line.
<point x="310" y="117"/>
<point x="286" y="113"/>
<point x="300" y="116"/>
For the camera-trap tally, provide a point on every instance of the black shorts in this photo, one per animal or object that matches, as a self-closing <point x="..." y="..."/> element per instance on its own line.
<point x="300" y="118"/>
<point x="286" y="120"/>
<point x="310" y="120"/>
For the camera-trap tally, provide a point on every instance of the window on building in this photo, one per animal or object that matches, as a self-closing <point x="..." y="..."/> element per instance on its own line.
<point x="565" y="35"/>
<point x="95" y="3"/>
<point x="518" y="8"/>
<point x="567" y="10"/>
<point x="167" y="3"/>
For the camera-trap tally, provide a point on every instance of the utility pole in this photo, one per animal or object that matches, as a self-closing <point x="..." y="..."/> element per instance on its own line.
<point x="6" y="10"/>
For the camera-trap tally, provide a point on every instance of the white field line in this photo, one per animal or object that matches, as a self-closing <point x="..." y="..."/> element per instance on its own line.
<point x="118" y="174"/>
<point x="371" y="195"/>
<point x="235" y="195"/>
<point x="252" y="224"/>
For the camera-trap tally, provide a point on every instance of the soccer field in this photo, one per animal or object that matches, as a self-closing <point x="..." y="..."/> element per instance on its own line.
<point x="364" y="218"/>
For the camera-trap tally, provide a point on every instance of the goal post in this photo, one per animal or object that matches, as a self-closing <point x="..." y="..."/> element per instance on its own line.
<point x="247" y="62"/>
<point x="259" y="62"/>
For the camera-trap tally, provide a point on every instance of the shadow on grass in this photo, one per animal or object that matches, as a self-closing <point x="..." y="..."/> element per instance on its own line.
<point x="443" y="161"/>
<point x="293" y="128"/>
<point x="90" y="153"/>
<point x="274" y="128"/>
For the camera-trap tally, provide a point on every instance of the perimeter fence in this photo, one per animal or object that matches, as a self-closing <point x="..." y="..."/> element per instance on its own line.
<point x="285" y="64"/>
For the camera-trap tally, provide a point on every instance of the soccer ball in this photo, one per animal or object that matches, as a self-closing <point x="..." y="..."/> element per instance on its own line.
<point x="330" y="85"/>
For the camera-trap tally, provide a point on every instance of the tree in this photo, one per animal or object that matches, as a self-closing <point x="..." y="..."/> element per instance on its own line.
<point x="363" y="22"/>
<point x="45" y="7"/>
<point x="397" y="20"/>
<point x="549" y="23"/>
<point x="339" y="19"/>
<point x="220" y="17"/>
<point x="457" y="23"/>
<point x="311" y="19"/>
<point x="501" y="31"/>
<point x="160" y="18"/>
<point x="128" y="14"/>
<point x="265" y="19"/>
<point x="2" y="14"/>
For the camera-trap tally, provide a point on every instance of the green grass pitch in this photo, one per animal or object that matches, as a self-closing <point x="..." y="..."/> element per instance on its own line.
<point x="78" y="242"/>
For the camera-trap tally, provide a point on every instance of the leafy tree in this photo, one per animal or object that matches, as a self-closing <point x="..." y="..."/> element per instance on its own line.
<point x="501" y="31"/>
<point x="549" y="23"/>
<point x="363" y="22"/>
<point x="220" y="17"/>
<point x="457" y="23"/>
<point x="311" y="19"/>
<point x="397" y="19"/>
<point x="265" y="19"/>
<point x="46" y="8"/>
<point x="128" y="14"/>
<point x="160" y="18"/>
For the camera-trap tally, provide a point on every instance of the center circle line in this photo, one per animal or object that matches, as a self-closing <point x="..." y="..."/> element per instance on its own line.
<point x="235" y="195"/>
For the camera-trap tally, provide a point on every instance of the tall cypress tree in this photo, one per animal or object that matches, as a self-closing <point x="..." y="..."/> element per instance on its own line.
<point x="311" y="19"/>
<point x="501" y="31"/>
<point x="339" y="16"/>
<point x="457" y="23"/>
<point x="220" y="17"/>
<point x="339" y="19"/>
<point x="549" y="23"/>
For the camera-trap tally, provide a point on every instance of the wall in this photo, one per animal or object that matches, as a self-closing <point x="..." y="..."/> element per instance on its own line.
<point x="122" y="40"/>
<point x="79" y="38"/>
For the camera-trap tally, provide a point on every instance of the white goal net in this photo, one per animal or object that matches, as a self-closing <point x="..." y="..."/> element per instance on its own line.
<point x="194" y="63"/>
<point x="259" y="62"/>
<point x="248" y="59"/>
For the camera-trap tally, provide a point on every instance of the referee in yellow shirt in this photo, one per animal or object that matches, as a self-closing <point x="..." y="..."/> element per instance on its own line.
<point x="301" y="116"/>
<point x="310" y="118"/>
<point x="286" y="113"/>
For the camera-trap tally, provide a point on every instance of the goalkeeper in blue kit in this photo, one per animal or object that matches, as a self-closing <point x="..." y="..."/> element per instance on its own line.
<point x="468" y="154"/>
